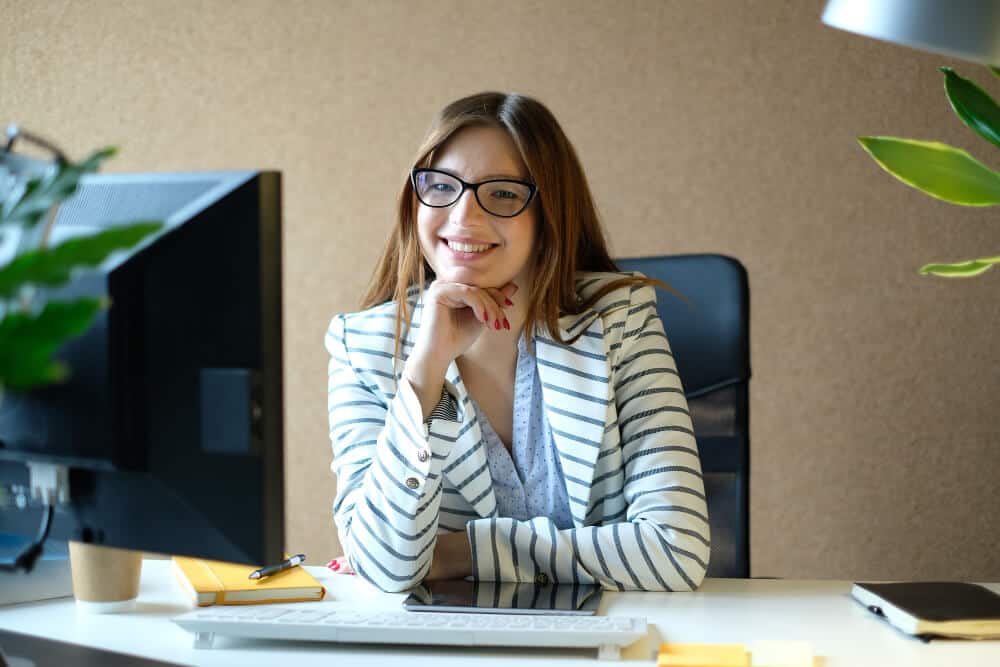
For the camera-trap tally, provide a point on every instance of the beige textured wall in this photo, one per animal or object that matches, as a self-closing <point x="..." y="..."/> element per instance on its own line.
<point x="704" y="126"/>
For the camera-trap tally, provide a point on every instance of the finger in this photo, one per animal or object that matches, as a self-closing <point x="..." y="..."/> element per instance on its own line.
<point x="499" y="301"/>
<point x="502" y="302"/>
<point x="481" y="304"/>
<point x="497" y="318"/>
<point x="457" y="296"/>
<point x="494" y="313"/>
<point x="500" y="298"/>
<point x="509" y="290"/>
<point x="487" y="307"/>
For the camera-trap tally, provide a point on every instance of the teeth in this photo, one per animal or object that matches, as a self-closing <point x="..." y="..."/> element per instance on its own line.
<point x="465" y="247"/>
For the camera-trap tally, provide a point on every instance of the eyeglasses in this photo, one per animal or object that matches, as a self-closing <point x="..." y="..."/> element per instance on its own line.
<point x="499" y="197"/>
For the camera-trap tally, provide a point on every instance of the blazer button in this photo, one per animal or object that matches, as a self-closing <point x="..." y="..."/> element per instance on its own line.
<point x="422" y="455"/>
<point x="541" y="578"/>
<point x="412" y="482"/>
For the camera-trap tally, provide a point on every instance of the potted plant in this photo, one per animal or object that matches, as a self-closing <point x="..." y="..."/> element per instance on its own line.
<point x="32" y="329"/>
<point x="946" y="172"/>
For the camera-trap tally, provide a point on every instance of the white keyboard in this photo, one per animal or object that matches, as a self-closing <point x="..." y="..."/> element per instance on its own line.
<point x="606" y="633"/>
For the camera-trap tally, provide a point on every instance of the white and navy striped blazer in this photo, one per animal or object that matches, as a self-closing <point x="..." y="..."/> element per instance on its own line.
<point x="620" y="422"/>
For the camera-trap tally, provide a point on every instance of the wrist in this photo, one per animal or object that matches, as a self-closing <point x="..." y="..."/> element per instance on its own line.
<point x="425" y="367"/>
<point x="452" y="557"/>
<point x="426" y="377"/>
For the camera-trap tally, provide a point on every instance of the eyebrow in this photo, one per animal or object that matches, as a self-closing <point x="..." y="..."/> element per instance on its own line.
<point x="488" y="177"/>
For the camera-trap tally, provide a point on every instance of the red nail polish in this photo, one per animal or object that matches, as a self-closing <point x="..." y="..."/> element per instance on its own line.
<point x="506" y="324"/>
<point x="497" y="324"/>
<point x="508" y="301"/>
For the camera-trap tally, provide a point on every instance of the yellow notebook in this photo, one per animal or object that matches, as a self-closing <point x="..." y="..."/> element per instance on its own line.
<point x="216" y="582"/>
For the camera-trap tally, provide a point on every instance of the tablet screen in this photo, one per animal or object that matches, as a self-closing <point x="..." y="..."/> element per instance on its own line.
<point x="498" y="597"/>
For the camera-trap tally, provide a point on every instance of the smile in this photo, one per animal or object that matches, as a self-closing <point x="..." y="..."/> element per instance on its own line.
<point x="468" y="247"/>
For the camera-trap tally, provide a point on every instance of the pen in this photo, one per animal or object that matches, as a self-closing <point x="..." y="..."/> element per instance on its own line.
<point x="297" y="559"/>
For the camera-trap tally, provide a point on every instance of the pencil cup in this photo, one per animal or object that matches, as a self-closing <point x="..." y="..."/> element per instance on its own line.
<point x="105" y="579"/>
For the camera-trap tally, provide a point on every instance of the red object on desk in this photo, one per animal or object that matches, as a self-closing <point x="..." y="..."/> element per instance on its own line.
<point x="340" y="565"/>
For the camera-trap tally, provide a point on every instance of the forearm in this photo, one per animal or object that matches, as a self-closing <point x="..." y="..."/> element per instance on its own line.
<point x="631" y="555"/>
<point x="388" y="467"/>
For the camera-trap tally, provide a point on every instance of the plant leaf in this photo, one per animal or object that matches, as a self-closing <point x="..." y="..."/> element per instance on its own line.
<point x="995" y="70"/>
<point x="41" y="194"/>
<point x="973" y="105"/>
<point x="27" y="341"/>
<point x="52" y="266"/>
<point x="940" y="170"/>
<point x="968" y="269"/>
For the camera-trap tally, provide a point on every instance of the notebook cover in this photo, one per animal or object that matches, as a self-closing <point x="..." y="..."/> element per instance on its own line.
<point x="230" y="584"/>
<point x="938" y="601"/>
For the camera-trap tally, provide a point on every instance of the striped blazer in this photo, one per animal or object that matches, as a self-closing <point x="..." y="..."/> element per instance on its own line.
<point x="620" y="423"/>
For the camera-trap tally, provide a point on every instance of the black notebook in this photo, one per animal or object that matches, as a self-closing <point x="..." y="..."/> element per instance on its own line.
<point x="935" y="608"/>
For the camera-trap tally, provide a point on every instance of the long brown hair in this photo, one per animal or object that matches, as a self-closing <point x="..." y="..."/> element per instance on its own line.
<point x="569" y="236"/>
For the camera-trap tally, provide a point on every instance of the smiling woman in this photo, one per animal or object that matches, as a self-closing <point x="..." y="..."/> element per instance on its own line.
<point x="507" y="405"/>
<point x="475" y="229"/>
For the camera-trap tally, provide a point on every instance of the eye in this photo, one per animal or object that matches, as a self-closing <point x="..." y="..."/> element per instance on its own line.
<point x="505" y="194"/>
<point x="441" y="187"/>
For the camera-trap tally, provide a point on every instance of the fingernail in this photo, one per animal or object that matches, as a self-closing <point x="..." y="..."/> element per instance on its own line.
<point x="508" y="301"/>
<point x="506" y="324"/>
<point x="497" y="324"/>
<point x="486" y="317"/>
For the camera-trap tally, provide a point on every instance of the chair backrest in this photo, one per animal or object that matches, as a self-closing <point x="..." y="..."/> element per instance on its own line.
<point x="710" y="340"/>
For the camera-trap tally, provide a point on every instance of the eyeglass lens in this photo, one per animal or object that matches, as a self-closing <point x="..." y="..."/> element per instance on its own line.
<point x="503" y="198"/>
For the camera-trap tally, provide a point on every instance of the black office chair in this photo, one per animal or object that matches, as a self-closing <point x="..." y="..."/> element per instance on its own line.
<point x="710" y="340"/>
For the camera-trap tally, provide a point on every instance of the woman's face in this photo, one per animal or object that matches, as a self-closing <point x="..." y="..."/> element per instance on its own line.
<point x="463" y="243"/>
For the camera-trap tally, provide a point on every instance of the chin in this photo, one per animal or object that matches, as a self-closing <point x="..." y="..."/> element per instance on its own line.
<point x="465" y="276"/>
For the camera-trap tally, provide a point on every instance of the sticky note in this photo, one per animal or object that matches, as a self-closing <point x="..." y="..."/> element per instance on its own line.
<point x="781" y="654"/>
<point x="702" y="655"/>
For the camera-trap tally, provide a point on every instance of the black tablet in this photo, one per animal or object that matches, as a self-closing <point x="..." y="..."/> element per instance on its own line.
<point x="504" y="598"/>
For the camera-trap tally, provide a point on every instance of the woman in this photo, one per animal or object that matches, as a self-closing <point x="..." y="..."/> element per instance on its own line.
<point x="507" y="406"/>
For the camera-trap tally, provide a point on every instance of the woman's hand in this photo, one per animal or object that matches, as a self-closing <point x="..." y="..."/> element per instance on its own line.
<point x="454" y="316"/>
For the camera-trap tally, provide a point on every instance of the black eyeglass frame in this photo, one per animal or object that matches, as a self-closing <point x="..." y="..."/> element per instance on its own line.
<point x="532" y="189"/>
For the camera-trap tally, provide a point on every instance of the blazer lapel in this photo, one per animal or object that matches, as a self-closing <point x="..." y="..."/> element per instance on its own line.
<point x="577" y="396"/>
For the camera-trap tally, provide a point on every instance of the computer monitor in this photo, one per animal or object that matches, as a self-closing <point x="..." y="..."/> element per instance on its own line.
<point x="169" y="430"/>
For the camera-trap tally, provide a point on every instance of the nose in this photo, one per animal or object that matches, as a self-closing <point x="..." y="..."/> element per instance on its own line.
<point x="467" y="209"/>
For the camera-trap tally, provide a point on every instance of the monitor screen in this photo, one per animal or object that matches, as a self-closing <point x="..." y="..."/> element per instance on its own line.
<point x="170" y="428"/>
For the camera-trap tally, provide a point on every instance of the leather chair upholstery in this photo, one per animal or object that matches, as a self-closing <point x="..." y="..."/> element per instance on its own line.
<point x="710" y="339"/>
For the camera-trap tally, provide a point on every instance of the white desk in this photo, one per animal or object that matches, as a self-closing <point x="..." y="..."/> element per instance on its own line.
<point x="733" y="611"/>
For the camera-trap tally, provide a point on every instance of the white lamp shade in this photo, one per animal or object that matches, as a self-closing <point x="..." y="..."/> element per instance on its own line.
<point x="966" y="29"/>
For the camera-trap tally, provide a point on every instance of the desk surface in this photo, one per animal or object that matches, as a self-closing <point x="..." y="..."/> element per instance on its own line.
<point x="735" y="611"/>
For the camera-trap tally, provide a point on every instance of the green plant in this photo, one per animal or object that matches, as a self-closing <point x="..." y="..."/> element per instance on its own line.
<point x="946" y="172"/>
<point x="32" y="329"/>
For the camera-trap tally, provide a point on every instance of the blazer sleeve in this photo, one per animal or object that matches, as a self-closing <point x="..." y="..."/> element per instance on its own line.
<point x="663" y="542"/>
<point x="388" y="467"/>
